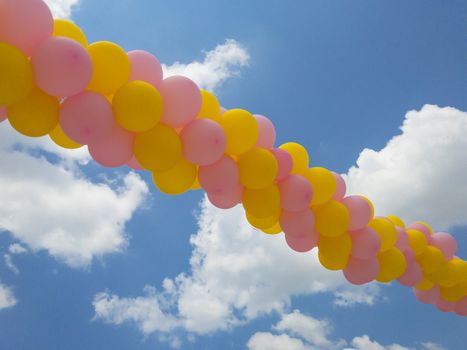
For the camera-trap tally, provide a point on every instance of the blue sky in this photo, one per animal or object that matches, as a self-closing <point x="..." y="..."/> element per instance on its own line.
<point x="335" y="76"/>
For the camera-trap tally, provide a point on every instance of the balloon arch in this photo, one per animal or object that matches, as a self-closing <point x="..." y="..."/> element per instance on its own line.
<point x="119" y="105"/>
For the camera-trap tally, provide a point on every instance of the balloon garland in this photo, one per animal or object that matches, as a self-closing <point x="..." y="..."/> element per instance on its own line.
<point x="119" y="105"/>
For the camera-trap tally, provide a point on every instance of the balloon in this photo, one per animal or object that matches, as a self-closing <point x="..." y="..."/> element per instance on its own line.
<point x="16" y="72"/>
<point x="431" y="260"/>
<point x="267" y="132"/>
<point x="229" y="199"/>
<point x="111" y="67"/>
<point x="62" y="67"/>
<point x="263" y="223"/>
<point x="134" y="164"/>
<point x="25" y="24"/>
<point x="145" y="67"/>
<point x="276" y="229"/>
<point x="425" y="284"/>
<point x="299" y="156"/>
<point x="297" y="223"/>
<point x="386" y="231"/>
<point x="36" y="115"/>
<point x="210" y="107"/>
<point x="137" y="106"/>
<point x="203" y="141"/>
<point x="258" y="168"/>
<point x="176" y="180"/>
<point x="331" y="265"/>
<point x="455" y="293"/>
<point x="67" y="29"/>
<point x="396" y="221"/>
<point x="174" y="90"/>
<point x="241" y="129"/>
<point x="430" y="296"/>
<point x="332" y="219"/>
<point x="417" y="241"/>
<point x="115" y="150"/>
<point x="402" y="239"/>
<point x="446" y="243"/>
<point x="323" y="183"/>
<point x="366" y="243"/>
<point x="461" y="307"/>
<point x="360" y="212"/>
<point x="262" y="203"/>
<point x="219" y="178"/>
<point x="360" y="271"/>
<point x="392" y="265"/>
<point x="158" y="149"/>
<point x="336" y="249"/>
<point x="284" y="163"/>
<point x="445" y="306"/>
<point x="58" y="137"/>
<point x="296" y="193"/>
<point x="3" y="115"/>
<point x="87" y="117"/>
<point x="302" y="244"/>
<point x="449" y="274"/>
<point x="409" y="255"/>
<point x="412" y="276"/>
<point x="423" y="228"/>
<point x="341" y="188"/>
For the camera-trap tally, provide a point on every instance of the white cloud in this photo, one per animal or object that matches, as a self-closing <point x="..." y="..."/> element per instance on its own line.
<point x="365" y="343"/>
<point x="352" y="295"/>
<point x="61" y="8"/>
<point x="419" y="171"/>
<point x="16" y="248"/>
<point x="7" y="298"/>
<point x="53" y="207"/>
<point x="268" y="341"/>
<point x="10" y="264"/>
<point x="432" y="346"/>
<point x="219" y="65"/>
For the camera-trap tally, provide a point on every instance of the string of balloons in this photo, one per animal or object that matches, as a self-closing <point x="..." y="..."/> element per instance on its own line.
<point x="119" y="105"/>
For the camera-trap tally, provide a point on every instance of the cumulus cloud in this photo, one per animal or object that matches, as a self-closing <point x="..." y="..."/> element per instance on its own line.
<point x="53" y="207"/>
<point x="420" y="174"/>
<point x="62" y="8"/>
<point x="7" y="298"/>
<point x="219" y="65"/>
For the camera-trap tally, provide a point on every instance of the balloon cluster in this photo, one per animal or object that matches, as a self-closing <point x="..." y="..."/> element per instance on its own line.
<point x="119" y="105"/>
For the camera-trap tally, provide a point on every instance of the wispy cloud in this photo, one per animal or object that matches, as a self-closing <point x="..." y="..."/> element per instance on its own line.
<point x="62" y="8"/>
<point x="7" y="298"/>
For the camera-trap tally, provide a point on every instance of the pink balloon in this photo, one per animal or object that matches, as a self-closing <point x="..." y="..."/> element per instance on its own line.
<point x="182" y="101"/>
<point x="219" y="178"/>
<point x="87" y="118"/>
<point x="284" y="162"/>
<point x="267" y="132"/>
<point x="409" y="255"/>
<point x="366" y="243"/>
<point x="204" y="141"/>
<point x="223" y="110"/>
<point x="427" y="296"/>
<point x="25" y="23"/>
<point x="341" y="187"/>
<point x="3" y="115"/>
<point x="115" y="150"/>
<point x="360" y="271"/>
<point x="445" y="306"/>
<point x="461" y="307"/>
<point x="134" y="164"/>
<point x="297" y="223"/>
<point x="422" y="228"/>
<point x="145" y="67"/>
<point x="402" y="239"/>
<point x="62" y="67"/>
<point x="446" y="243"/>
<point x="296" y="193"/>
<point x="228" y="199"/>
<point x="412" y="276"/>
<point x="360" y="212"/>
<point x="302" y="244"/>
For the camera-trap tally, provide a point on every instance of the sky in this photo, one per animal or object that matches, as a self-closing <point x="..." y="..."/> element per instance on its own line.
<point x="92" y="258"/>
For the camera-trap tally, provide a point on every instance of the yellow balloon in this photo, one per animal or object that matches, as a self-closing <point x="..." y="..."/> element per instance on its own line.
<point x="331" y="265"/>
<point x="263" y="223"/>
<point x="372" y="207"/>
<point x="241" y="129"/>
<point x="276" y="229"/>
<point x="258" y="168"/>
<point x="336" y="250"/>
<point x="59" y="137"/>
<point x="111" y="67"/>
<point x="454" y="294"/>
<point x="392" y="265"/>
<point x="452" y="273"/>
<point x="331" y="219"/>
<point x="176" y="180"/>
<point x="396" y="221"/>
<point x="386" y="231"/>
<point x="137" y="106"/>
<point x="16" y="79"/>
<point x="262" y="203"/>
<point x="210" y="107"/>
<point x="417" y="241"/>
<point x="36" y="115"/>
<point x="431" y="260"/>
<point x="425" y="284"/>
<point x="299" y="156"/>
<point x="158" y="149"/>
<point x="68" y="29"/>
<point x="323" y="183"/>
